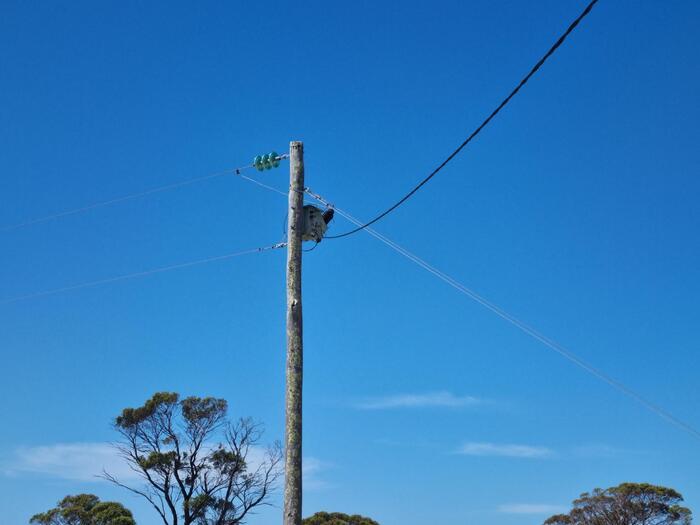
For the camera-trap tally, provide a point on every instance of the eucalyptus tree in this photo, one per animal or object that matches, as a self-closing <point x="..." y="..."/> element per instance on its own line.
<point x="337" y="518"/>
<point x="84" y="509"/>
<point x="196" y="466"/>
<point x="626" y="504"/>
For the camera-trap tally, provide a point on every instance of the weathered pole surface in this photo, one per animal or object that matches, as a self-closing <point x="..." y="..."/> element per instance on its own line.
<point x="292" y="438"/>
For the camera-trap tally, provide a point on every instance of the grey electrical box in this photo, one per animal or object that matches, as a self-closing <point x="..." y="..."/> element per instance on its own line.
<point x="314" y="224"/>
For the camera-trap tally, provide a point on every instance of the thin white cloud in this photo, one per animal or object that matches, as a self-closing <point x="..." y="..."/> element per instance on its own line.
<point x="311" y="471"/>
<point x="72" y="461"/>
<point x="430" y="399"/>
<point x="87" y="461"/>
<point x="531" y="508"/>
<point x="504" y="450"/>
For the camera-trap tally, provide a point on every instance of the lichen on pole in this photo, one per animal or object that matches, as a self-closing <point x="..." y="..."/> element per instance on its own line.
<point x="293" y="405"/>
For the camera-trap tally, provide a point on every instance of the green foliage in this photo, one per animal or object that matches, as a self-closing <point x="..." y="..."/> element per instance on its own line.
<point x="193" y="460"/>
<point x="627" y="504"/>
<point x="158" y="461"/>
<point x="337" y="518"/>
<point x="111" y="513"/>
<point x="199" y="505"/>
<point x="227" y="460"/>
<point x="85" y="509"/>
<point x="196" y="409"/>
<point x="161" y="401"/>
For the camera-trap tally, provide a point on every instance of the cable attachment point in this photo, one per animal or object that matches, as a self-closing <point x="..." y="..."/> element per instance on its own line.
<point x="315" y="220"/>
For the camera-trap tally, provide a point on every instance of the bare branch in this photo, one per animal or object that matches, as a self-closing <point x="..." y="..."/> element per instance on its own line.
<point x="108" y="477"/>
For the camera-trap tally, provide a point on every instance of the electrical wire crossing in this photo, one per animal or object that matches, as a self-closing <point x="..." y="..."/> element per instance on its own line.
<point x="145" y="273"/>
<point x="548" y="342"/>
<point x="488" y="119"/>
<point x="271" y="160"/>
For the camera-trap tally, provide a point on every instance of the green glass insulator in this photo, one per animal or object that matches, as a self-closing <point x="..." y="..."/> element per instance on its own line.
<point x="275" y="159"/>
<point x="268" y="161"/>
<point x="258" y="163"/>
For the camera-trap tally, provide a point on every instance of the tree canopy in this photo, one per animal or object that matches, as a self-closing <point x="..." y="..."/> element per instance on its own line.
<point x="196" y="466"/>
<point x="626" y="504"/>
<point x="85" y="509"/>
<point x="337" y="518"/>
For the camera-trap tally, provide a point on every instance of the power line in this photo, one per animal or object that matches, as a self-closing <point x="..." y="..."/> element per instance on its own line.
<point x="140" y="274"/>
<point x="115" y="200"/>
<point x="258" y="183"/>
<point x="505" y="101"/>
<point x="236" y="171"/>
<point x="151" y="191"/>
<point x="550" y="343"/>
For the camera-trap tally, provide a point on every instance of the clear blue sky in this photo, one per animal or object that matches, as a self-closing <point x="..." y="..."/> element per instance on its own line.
<point x="576" y="210"/>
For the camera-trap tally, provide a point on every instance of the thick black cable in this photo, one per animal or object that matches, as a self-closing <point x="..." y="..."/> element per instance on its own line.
<point x="521" y="325"/>
<point x="534" y="70"/>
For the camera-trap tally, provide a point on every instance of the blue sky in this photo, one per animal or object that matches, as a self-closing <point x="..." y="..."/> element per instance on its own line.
<point x="576" y="211"/>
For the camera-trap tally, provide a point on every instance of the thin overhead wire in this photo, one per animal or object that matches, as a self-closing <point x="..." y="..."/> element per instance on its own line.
<point x="532" y="332"/>
<point x="235" y="171"/>
<point x="140" y="274"/>
<point x="262" y="185"/>
<point x="123" y="198"/>
<point x="488" y="119"/>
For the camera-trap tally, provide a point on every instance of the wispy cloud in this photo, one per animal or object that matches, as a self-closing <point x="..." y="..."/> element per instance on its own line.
<point x="311" y="471"/>
<point x="430" y="399"/>
<point x="531" y="508"/>
<point x="87" y="461"/>
<point x="504" y="450"/>
<point x="73" y="461"/>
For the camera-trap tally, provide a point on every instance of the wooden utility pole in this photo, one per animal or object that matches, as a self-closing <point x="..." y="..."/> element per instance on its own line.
<point x="295" y="344"/>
